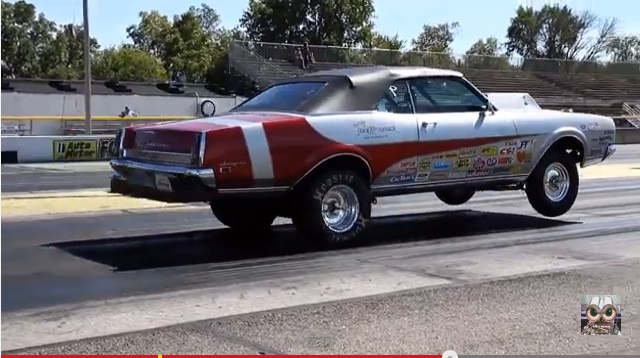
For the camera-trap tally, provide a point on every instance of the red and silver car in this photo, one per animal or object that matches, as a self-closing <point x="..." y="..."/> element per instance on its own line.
<point x="321" y="147"/>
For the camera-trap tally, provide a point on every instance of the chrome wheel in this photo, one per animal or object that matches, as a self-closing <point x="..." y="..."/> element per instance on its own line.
<point x="340" y="208"/>
<point x="556" y="182"/>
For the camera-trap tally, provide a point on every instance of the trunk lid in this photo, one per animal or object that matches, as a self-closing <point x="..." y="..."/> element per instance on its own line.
<point x="180" y="141"/>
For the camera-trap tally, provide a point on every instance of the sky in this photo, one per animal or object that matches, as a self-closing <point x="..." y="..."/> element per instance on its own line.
<point x="108" y="19"/>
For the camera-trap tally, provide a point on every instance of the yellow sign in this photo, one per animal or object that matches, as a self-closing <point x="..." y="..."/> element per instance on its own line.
<point x="75" y="150"/>
<point x="463" y="163"/>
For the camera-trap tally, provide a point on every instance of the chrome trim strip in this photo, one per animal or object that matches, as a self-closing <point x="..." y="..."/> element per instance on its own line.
<point x="203" y="147"/>
<point x="611" y="150"/>
<point x="254" y="190"/>
<point x="205" y="174"/>
<point x="446" y="182"/>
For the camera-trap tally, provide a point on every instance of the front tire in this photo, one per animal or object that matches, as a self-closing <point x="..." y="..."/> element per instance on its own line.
<point x="237" y="213"/>
<point x="333" y="208"/>
<point x="455" y="196"/>
<point x="552" y="187"/>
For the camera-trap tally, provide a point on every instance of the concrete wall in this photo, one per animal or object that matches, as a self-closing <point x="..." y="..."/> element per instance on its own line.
<point x="32" y="104"/>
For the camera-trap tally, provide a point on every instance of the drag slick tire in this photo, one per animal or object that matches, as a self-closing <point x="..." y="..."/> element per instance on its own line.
<point x="455" y="196"/>
<point x="333" y="208"/>
<point x="242" y="214"/>
<point x="552" y="187"/>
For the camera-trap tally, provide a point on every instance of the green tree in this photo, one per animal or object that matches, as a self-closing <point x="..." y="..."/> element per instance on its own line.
<point x="433" y="45"/>
<point x="35" y="47"/>
<point x="320" y="22"/>
<point x="624" y="48"/>
<point x="485" y="54"/>
<point x="556" y="32"/>
<point x="125" y="63"/>
<point x="384" y="49"/>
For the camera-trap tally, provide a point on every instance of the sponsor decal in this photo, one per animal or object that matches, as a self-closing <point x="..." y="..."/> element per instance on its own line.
<point x="408" y="164"/>
<point x="451" y="155"/>
<point x="463" y="163"/>
<point x="467" y="153"/>
<point x="438" y="156"/>
<point x="608" y="133"/>
<point x="596" y="152"/>
<point x="422" y="177"/>
<point x="605" y="138"/>
<point x="441" y="165"/>
<point x="479" y="163"/>
<point x="491" y="162"/>
<point x="403" y="179"/>
<point x="590" y="126"/>
<point x="438" y="175"/>
<point x="398" y="171"/>
<point x="424" y="164"/>
<point x="510" y="143"/>
<point x="526" y="144"/>
<point x="508" y="151"/>
<point x="515" y="169"/>
<point x="75" y="150"/>
<point x="489" y="151"/>
<point x="477" y="174"/>
<point x="373" y="131"/>
<point x="505" y="160"/>
<point x="523" y="157"/>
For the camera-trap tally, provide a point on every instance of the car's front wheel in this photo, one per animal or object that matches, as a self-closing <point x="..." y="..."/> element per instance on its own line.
<point x="455" y="196"/>
<point x="333" y="208"/>
<point x="552" y="187"/>
<point x="237" y="213"/>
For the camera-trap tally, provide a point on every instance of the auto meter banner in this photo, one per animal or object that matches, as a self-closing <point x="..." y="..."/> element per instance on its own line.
<point x="75" y="150"/>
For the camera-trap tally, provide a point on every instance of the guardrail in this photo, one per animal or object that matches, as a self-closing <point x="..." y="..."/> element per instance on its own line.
<point x="34" y="149"/>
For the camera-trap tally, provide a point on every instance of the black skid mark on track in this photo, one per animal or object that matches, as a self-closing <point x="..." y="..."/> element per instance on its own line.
<point x="226" y="245"/>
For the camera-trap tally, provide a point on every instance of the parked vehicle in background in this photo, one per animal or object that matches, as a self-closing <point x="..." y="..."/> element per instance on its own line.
<point x="320" y="148"/>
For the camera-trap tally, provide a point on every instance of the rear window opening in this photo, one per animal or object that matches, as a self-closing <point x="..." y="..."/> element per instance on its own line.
<point x="284" y="97"/>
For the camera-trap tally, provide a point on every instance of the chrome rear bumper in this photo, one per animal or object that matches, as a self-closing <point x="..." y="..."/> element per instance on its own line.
<point x="162" y="182"/>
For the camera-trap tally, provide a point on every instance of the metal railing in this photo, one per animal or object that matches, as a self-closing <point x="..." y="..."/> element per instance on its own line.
<point x="253" y="65"/>
<point x="372" y="56"/>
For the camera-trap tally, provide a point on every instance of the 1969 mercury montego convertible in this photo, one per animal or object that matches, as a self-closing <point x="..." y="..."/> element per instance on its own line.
<point x="320" y="149"/>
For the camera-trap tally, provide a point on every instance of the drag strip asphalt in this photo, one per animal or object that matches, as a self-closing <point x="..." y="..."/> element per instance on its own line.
<point x="95" y="175"/>
<point x="71" y="259"/>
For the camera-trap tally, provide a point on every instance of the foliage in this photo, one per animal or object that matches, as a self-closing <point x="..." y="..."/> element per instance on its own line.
<point x="196" y="45"/>
<point x="319" y="22"/>
<point x="556" y="32"/>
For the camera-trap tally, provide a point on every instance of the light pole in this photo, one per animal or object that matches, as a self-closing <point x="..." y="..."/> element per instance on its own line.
<point x="87" y="68"/>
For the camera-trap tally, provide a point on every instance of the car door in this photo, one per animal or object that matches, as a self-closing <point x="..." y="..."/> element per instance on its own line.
<point x="458" y="138"/>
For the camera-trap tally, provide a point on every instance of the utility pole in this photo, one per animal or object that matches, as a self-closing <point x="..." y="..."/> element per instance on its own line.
<point x="87" y="68"/>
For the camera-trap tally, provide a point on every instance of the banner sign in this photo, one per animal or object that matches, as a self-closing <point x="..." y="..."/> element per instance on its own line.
<point x="106" y="148"/>
<point x="75" y="150"/>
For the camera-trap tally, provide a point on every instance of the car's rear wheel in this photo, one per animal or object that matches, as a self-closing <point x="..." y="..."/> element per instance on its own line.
<point x="552" y="187"/>
<point x="333" y="208"/>
<point x="455" y="196"/>
<point x="243" y="214"/>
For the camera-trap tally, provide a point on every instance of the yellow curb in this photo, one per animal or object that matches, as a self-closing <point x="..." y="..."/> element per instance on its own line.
<point x="14" y="207"/>
<point x="610" y="171"/>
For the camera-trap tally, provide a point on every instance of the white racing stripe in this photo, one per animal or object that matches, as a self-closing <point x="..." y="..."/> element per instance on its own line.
<point x="257" y="145"/>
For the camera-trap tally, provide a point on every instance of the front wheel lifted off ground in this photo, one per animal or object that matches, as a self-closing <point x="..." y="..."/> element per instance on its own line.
<point x="552" y="187"/>
<point x="333" y="208"/>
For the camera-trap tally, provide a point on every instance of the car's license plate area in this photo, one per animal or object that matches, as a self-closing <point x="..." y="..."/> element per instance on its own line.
<point x="149" y="179"/>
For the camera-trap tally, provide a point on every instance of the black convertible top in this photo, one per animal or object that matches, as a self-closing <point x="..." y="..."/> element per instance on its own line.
<point x="350" y="89"/>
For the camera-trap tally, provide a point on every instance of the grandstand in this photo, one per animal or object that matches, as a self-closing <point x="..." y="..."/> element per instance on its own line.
<point x="611" y="89"/>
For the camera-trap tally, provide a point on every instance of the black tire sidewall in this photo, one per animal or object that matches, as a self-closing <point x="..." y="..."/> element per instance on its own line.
<point x="535" y="185"/>
<point x="308" y="216"/>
